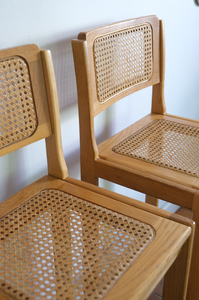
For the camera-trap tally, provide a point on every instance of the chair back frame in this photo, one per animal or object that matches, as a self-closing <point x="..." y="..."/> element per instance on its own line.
<point x="88" y="39"/>
<point x="40" y="74"/>
<point x="88" y="103"/>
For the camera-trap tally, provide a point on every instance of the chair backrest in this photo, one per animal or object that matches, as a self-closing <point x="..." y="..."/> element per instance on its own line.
<point x="28" y="104"/>
<point x="117" y="60"/>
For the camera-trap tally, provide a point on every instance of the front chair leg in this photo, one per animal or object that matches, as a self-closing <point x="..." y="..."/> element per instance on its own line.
<point x="193" y="286"/>
<point x="176" y="278"/>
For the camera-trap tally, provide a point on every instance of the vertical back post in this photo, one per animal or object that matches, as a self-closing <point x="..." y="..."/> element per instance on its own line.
<point x="56" y="162"/>
<point x="89" y="150"/>
<point x="158" y="101"/>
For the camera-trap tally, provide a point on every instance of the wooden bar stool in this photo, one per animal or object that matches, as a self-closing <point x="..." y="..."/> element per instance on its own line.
<point x="61" y="238"/>
<point x="158" y="155"/>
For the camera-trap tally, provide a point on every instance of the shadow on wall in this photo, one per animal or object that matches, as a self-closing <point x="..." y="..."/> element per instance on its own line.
<point x="65" y="73"/>
<point x="21" y="167"/>
<point x="9" y="181"/>
<point x="67" y="93"/>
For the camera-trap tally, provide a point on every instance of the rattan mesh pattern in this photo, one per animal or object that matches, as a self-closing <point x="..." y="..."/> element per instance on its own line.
<point x="164" y="143"/>
<point x="17" y="111"/>
<point x="57" y="246"/>
<point x="122" y="59"/>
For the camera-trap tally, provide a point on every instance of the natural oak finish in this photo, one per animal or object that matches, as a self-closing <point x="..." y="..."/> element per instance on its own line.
<point x="61" y="238"/>
<point x="157" y="155"/>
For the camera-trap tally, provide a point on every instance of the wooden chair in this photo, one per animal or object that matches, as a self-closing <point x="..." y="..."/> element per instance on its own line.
<point x="158" y="155"/>
<point x="61" y="238"/>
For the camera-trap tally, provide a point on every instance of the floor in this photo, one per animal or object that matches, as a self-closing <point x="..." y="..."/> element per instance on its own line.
<point x="157" y="293"/>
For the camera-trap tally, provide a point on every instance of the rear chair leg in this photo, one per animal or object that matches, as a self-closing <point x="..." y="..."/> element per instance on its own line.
<point x="151" y="200"/>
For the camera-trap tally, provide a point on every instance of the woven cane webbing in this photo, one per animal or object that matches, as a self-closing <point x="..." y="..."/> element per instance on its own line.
<point x="17" y="111"/>
<point x="167" y="144"/>
<point x="57" y="246"/>
<point x="122" y="59"/>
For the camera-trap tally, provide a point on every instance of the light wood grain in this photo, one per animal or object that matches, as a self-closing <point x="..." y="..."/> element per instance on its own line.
<point x="4" y="297"/>
<point x="170" y="183"/>
<point x="151" y="200"/>
<point x="193" y="288"/>
<point x="148" y="184"/>
<point x="177" y="290"/>
<point x="144" y="274"/>
<point x="49" y="199"/>
<point x="89" y="149"/>
<point x="140" y="290"/>
<point x="158" y="101"/>
<point x="43" y="131"/>
<point x="106" y="153"/>
<point x="56" y="162"/>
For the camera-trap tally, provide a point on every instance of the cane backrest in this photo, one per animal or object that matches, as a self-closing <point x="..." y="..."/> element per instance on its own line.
<point x="121" y="58"/>
<point x="113" y="57"/>
<point x="23" y="100"/>
<point x="27" y="112"/>
<point x="18" y="116"/>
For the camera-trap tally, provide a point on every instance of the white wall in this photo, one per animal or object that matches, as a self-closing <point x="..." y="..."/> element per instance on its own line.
<point x="52" y="24"/>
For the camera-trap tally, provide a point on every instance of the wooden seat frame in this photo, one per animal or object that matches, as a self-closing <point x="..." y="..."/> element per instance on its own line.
<point x="100" y="161"/>
<point x="168" y="253"/>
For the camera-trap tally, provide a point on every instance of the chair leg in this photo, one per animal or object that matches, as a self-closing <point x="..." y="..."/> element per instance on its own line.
<point x="151" y="200"/>
<point x="176" y="278"/>
<point x="88" y="175"/>
<point x="193" y="286"/>
<point x="92" y="180"/>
